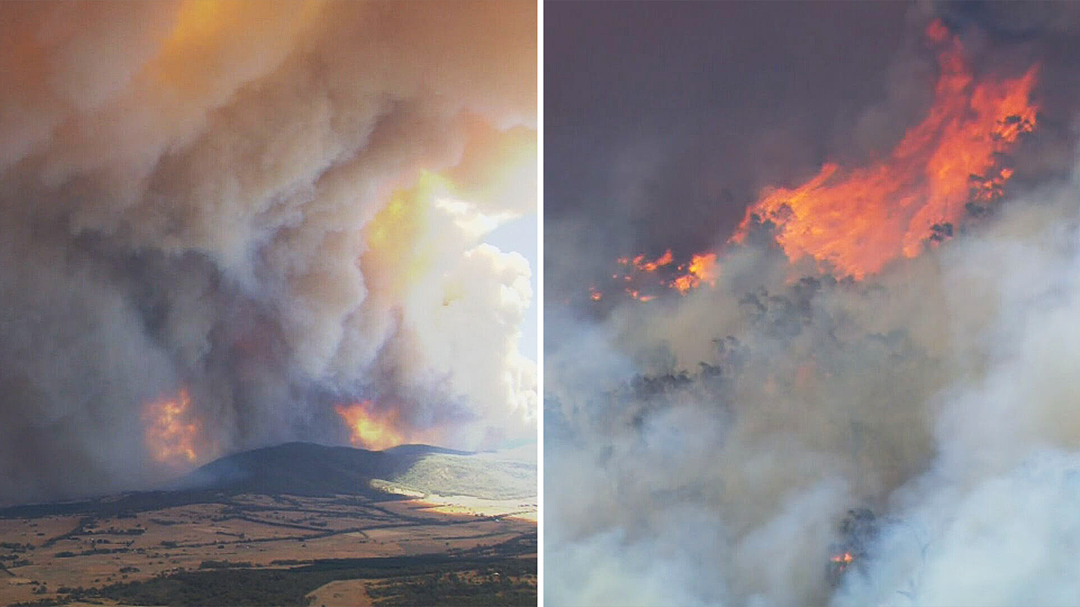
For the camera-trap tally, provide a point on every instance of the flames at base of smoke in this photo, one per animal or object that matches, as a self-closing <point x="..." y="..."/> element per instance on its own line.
<point x="370" y="428"/>
<point x="172" y="430"/>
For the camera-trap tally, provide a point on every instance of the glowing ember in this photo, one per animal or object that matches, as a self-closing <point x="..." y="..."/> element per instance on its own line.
<point x="371" y="429"/>
<point x="844" y="558"/>
<point x="661" y="261"/>
<point x="640" y="264"/>
<point x="856" y="221"/>
<point x="643" y="282"/>
<point x="172" y="430"/>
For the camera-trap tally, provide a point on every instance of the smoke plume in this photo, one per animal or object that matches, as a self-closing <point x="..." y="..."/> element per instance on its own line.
<point x="221" y="220"/>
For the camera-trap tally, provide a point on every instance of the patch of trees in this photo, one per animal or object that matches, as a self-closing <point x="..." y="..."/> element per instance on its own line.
<point x="498" y="584"/>
<point x="223" y="564"/>
<point x="68" y="553"/>
<point x="80" y="529"/>
<point x="129" y="531"/>
<point x="38" y="603"/>
<point x="290" y="562"/>
<point x="16" y="547"/>
<point x="494" y="586"/>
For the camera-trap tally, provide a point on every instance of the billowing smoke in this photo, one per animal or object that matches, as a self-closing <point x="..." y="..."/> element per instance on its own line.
<point x="789" y="438"/>
<point x="221" y="220"/>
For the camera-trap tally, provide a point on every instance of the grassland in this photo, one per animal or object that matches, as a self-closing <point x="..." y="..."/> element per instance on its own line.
<point x="276" y="549"/>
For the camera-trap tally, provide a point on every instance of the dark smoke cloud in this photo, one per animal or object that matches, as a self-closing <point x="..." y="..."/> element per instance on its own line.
<point x="277" y="205"/>
<point x="705" y="450"/>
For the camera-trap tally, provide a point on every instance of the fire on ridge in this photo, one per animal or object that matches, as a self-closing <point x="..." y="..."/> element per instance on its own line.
<point x="370" y="428"/>
<point x="855" y="221"/>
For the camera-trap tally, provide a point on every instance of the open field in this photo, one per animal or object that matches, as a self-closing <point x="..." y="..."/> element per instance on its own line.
<point x="47" y="557"/>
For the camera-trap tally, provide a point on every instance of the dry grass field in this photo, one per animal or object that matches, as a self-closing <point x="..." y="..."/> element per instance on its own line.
<point x="294" y="524"/>
<point x="46" y="556"/>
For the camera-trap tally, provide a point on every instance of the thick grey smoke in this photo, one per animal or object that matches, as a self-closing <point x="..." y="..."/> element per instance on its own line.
<point x="277" y="206"/>
<point x="706" y="451"/>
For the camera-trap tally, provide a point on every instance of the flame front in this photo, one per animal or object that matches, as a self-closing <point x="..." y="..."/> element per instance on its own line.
<point x="371" y="429"/>
<point x="856" y="221"/>
<point x="172" y="430"/>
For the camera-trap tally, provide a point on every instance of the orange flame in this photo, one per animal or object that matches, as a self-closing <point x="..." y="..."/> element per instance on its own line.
<point x="371" y="429"/>
<point x="639" y="262"/>
<point x="856" y="221"/>
<point x="172" y="430"/>
<point x="702" y="270"/>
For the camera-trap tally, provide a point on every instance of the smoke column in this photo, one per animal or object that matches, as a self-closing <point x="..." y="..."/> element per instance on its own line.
<point x="222" y="222"/>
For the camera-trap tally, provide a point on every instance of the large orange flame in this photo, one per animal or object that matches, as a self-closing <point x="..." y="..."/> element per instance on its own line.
<point x="370" y="428"/>
<point x="172" y="430"/>
<point x="856" y="221"/>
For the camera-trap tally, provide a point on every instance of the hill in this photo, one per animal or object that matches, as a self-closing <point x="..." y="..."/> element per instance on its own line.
<point x="309" y="469"/>
<point x="313" y="470"/>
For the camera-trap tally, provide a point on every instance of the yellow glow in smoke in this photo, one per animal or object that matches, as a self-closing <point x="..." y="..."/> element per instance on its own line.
<point x="205" y="34"/>
<point x="397" y="237"/>
<point x="197" y="20"/>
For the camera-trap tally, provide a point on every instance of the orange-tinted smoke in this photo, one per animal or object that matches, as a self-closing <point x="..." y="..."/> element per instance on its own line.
<point x="172" y="430"/>
<point x="855" y="221"/>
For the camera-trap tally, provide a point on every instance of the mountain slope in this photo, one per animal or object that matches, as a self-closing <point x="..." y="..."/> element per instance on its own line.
<point x="309" y="469"/>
